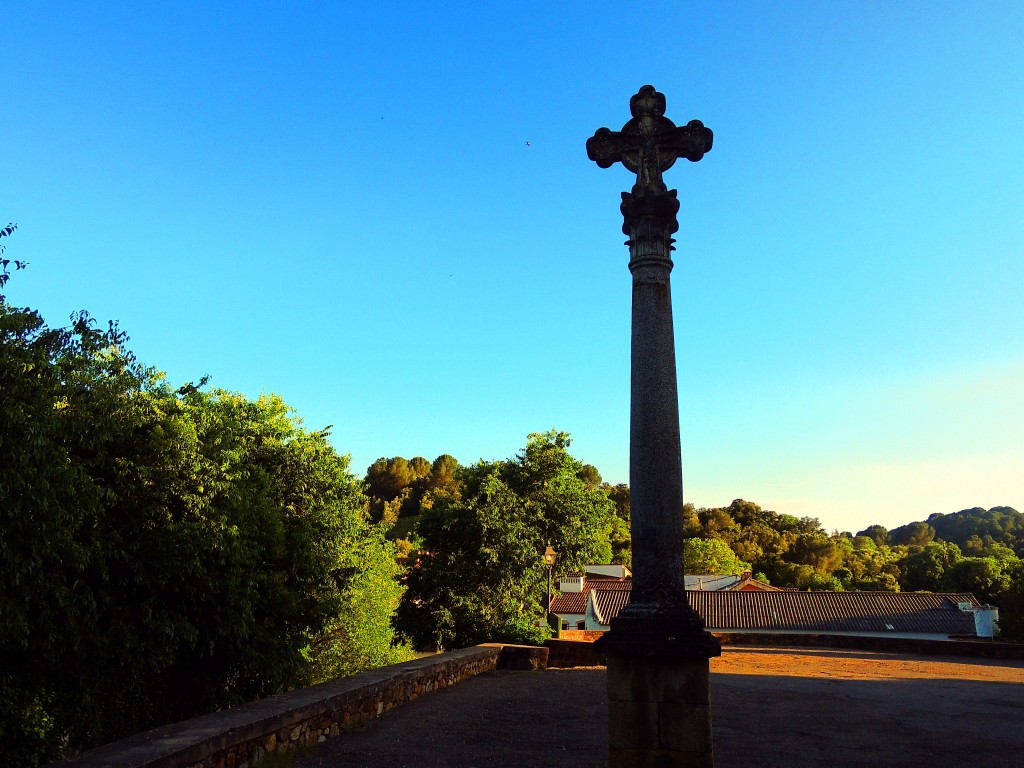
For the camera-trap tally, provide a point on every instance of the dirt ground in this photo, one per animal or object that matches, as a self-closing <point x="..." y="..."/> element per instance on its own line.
<point x="772" y="707"/>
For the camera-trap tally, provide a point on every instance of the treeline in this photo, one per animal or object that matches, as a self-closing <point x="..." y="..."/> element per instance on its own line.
<point x="983" y="556"/>
<point x="165" y="552"/>
<point x="975" y="550"/>
<point x="401" y="489"/>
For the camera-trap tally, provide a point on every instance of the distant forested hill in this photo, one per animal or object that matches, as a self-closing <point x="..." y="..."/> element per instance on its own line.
<point x="973" y="530"/>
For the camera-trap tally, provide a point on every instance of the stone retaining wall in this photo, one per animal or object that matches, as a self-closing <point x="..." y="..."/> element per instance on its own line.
<point x="236" y="738"/>
<point x="574" y="653"/>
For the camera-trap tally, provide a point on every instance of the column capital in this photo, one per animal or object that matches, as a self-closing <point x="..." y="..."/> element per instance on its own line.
<point x="650" y="221"/>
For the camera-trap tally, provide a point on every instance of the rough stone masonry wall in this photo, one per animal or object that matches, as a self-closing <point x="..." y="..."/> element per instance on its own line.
<point x="574" y="653"/>
<point x="236" y="738"/>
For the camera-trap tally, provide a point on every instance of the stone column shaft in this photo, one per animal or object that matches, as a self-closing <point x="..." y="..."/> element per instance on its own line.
<point x="655" y="475"/>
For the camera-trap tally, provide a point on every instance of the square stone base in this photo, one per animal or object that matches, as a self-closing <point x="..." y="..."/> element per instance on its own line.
<point x="659" y="713"/>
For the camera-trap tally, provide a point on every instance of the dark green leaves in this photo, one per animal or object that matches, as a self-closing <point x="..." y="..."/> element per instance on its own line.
<point x="163" y="552"/>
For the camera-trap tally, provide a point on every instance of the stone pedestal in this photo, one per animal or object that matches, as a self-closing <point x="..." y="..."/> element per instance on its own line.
<point x="659" y="713"/>
<point x="659" y="698"/>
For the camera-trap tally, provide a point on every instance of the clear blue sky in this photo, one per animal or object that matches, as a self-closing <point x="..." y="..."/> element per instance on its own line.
<point x="385" y="213"/>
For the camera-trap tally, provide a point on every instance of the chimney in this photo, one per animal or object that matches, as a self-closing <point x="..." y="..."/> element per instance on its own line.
<point x="571" y="583"/>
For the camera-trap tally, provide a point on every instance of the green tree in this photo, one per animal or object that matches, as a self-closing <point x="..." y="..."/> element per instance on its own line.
<point x="400" y="487"/>
<point x="5" y="264"/>
<point x="45" y="501"/>
<point x="691" y="522"/>
<point x="762" y="544"/>
<point x="621" y="540"/>
<point x="1011" y="604"/>
<point x="913" y="535"/>
<point x="878" y="582"/>
<point x="620" y="535"/>
<point x="163" y="552"/>
<point x="711" y="556"/>
<point x="443" y="473"/>
<point x="817" y="550"/>
<point x="222" y="539"/>
<point x="480" y="576"/>
<point x="877" y="533"/>
<point x="746" y="513"/>
<point x="361" y="635"/>
<point x="716" y="522"/>
<point x="925" y="569"/>
<point x="862" y="543"/>
<point x="983" y="577"/>
<point x="619" y="494"/>
<point x="1001" y="525"/>
<point x="387" y="478"/>
<point x="572" y="513"/>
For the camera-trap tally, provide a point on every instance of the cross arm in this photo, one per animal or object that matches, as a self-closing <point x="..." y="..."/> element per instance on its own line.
<point x="605" y="147"/>
<point x="691" y="141"/>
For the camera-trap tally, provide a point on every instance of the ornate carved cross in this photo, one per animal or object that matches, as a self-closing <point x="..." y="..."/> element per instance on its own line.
<point x="650" y="143"/>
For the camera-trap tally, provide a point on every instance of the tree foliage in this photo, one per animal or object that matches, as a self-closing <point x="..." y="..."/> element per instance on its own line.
<point x="1011" y="603"/>
<point x="797" y="552"/>
<point x="361" y="635"/>
<point x="400" y="487"/>
<point x="711" y="556"/>
<point x="480" y="575"/>
<point x="915" y="535"/>
<point x="1003" y="525"/>
<point x="5" y="264"/>
<point x="164" y="552"/>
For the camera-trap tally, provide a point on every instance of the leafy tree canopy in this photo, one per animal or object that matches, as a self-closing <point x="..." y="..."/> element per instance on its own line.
<point x="711" y="556"/>
<point x="480" y="575"/>
<point x="164" y="552"/>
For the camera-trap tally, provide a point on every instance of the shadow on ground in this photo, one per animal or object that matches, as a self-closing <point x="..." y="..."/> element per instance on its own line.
<point x="558" y="718"/>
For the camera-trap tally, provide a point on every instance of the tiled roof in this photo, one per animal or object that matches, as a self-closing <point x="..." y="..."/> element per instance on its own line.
<point x="615" y="584"/>
<point x="570" y="602"/>
<point x="933" y="613"/>
<point x="608" y="603"/>
<point x="576" y="602"/>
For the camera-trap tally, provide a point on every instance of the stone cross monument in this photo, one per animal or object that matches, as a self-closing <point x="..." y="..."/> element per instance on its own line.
<point x="658" y="650"/>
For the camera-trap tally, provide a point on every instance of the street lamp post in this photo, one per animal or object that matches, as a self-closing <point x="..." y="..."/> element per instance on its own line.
<point x="549" y="558"/>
